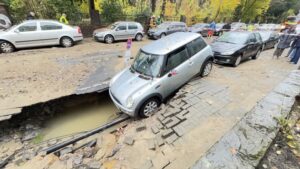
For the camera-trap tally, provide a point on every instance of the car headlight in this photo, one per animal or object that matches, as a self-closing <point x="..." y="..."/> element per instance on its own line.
<point x="129" y="102"/>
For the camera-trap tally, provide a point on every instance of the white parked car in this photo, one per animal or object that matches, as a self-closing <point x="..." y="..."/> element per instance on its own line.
<point x="35" y="33"/>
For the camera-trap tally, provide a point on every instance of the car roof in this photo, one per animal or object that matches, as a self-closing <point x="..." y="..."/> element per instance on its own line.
<point x="40" y="20"/>
<point x="119" y="22"/>
<point x="169" y="43"/>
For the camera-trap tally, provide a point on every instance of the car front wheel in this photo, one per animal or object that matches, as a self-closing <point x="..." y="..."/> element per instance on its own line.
<point x="109" y="39"/>
<point x="139" y="37"/>
<point x="149" y="107"/>
<point x="207" y="67"/>
<point x="6" y="47"/>
<point x="237" y="61"/>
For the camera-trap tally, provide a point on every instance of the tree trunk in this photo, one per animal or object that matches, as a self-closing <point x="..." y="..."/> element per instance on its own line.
<point x="94" y="14"/>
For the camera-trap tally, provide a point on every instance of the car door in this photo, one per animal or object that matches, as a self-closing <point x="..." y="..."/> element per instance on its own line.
<point x="176" y="71"/>
<point x="132" y="29"/>
<point x="50" y="33"/>
<point x="26" y="35"/>
<point x="121" y="32"/>
<point x="273" y="39"/>
<point x="250" y="46"/>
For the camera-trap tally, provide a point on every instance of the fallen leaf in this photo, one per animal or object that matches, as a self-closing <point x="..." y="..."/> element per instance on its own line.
<point x="290" y="137"/>
<point x="291" y="144"/>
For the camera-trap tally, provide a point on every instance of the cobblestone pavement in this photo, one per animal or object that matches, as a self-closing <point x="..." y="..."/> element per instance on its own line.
<point x="200" y="114"/>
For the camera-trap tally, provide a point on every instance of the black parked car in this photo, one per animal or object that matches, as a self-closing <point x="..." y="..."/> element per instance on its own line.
<point x="201" y="28"/>
<point x="234" y="47"/>
<point x="269" y="38"/>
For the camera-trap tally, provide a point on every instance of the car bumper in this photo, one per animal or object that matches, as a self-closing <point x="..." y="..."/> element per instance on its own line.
<point x="153" y="36"/>
<point x="99" y="38"/>
<point x="224" y="59"/>
<point x="120" y="106"/>
<point x="78" y="38"/>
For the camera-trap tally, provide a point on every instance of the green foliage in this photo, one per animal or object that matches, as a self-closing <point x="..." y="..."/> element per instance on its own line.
<point x="111" y="10"/>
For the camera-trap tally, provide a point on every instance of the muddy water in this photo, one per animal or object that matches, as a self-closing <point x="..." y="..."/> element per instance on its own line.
<point x="82" y="118"/>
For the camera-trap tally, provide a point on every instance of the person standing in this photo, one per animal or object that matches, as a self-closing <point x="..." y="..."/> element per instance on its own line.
<point x="296" y="50"/>
<point x="63" y="19"/>
<point x="212" y="29"/>
<point x="152" y="23"/>
<point x="31" y="16"/>
<point x="284" y="42"/>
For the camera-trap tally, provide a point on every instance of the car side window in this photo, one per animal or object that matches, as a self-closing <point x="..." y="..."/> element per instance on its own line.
<point x="196" y="46"/>
<point x="132" y="26"/>
<point x="252" y="38"/>
<point x="121" y="28"/>
<point x="28" y="27"/>
<point x="50" y="26"/>
<point x="176" y="58"/>
<point x="258" y="37"/>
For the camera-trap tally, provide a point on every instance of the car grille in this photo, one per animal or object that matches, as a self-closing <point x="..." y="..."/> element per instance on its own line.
<point x="217" y="54"/>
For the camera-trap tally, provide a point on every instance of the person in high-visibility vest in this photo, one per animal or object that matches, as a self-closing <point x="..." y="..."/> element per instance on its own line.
<point x="63" y="19"/>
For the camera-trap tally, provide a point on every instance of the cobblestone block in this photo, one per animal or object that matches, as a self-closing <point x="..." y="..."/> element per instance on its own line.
<point x="166" y="121"/>
<point x="141" y="127"/>
<point x="160" y="161"/>
<point x="171" y="139"/>
<point x="159" y="125"/>
<point x="151" y="144"/>
<point x="179" y="130"/>
<point x="167" y="133"/>
<point x="129" y="140"/>
<point x="186" y="106"/>
<point x="160" y="117"/>
<point x="155" y="129"/>
<point x="159" y="141"/>
<point x="173" y="123"/>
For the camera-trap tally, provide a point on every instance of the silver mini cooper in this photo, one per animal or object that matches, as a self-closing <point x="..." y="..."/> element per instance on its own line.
<point x="159" y="69"/>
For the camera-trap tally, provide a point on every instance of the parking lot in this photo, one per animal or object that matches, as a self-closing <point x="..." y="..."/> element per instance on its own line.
<point x="35" y="75"/>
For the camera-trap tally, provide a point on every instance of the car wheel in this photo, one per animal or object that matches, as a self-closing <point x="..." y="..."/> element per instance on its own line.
<point x="207" y="67"/>
<point x="149" y="107"/>
<point x="237" y="61"/>
<point x="139" y="37"/>
<point x="109" y="39"/>
<point x="256" y="55"/>
<point x="66" y="42"/>
<point x="163" y="35"/>
<point x="6" y="47"/>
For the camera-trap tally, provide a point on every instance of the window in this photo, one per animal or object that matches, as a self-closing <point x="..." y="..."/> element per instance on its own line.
<point x="28" y="27"/>
<point x="196" y="46"/>
<point x="50" y="26"/>
<point x="176" y="59"/>
<point x="121" y="28"/>
<point x="252" y="38"/>
<point x="258" y="37"/>
<point x="132" y="26"/>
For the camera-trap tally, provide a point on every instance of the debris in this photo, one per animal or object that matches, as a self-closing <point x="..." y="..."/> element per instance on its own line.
<point x="129" y="140"/>
<point x="141" y="128"/>
<point x="114" y="151"/>
<point x="264" y="166"/>
<point x="66" y="150"/>
<point x="151" y="144"/>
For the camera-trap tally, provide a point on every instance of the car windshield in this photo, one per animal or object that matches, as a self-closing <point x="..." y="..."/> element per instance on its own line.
<point x="233" y="37"/>
<point x="147" y="64"/>
<point x="163" y="26"/>
<point x="113" y="26"/>
<point x="265" y="35"/>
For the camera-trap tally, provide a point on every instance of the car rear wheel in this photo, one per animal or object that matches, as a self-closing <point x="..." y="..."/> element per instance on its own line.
<point x="256" y="55"/>
<point x="237" y="61"/>
<point x="207" y="67"/>
<point x="139" y="37"/>
<point x="149" y="107"/>
<point x="109" y="39"/>
<point x="6" y="47"/>
<point x="66" y="42"/>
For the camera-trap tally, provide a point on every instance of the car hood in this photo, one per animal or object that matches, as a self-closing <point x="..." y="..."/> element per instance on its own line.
<point x="127" y="84"/>
<point x="154" y="30"/>
<point x="222" y="47"/>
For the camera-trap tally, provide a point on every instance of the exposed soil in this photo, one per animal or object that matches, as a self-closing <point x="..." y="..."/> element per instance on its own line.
<point x="284" y="153"/>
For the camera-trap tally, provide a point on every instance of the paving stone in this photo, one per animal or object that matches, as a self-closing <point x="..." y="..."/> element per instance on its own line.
<point x="141" y="128"/>
<point x="168" y="113"/>
<point x="159" y="125"/>
<point x="147" y="165"/>
<point x="166" y="121"/>
<point x="155" y="129"/>
<point x="129" y="140"/>
<point x="179" y="130"/>
<point x="167" y="133"/>
<point x="173" y="123"/>
<point x="151" y="144"/>
<point x="159" y="141"/>
<point x="171" y="139"/>
<point x="160" y="117"/>
<point x="186" y="106"/>
<point x="160" y="161"/>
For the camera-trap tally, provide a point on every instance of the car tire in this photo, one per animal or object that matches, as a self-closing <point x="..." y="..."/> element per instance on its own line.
<point x="162" y="35"/>
<point x="206" y="68"/>
<point x="6" y="47"/>
<point x="257" y="54"/>
<point x="149" y="107"/>
<point x="237" y="61"/>
<point x="109" y="39"/>
<point x="139" y="37"/>
<point x="66" y="42"/>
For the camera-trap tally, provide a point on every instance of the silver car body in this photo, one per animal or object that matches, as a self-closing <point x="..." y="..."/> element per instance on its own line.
<point x="128" y="85"/>
<point x="34" y="33"/>
<point x="120" y="31"/>
<point x="167" y="28"/>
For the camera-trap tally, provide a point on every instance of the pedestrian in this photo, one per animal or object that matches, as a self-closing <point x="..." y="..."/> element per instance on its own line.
<point x="152" y="22"/>
<point x="296" y="50"/>
<point x="30" y="16"/>
<point x="128" y="52"/>
<point x="158" y="20"/>
<point x="212" y="28"/>
<point x="63" y="19"/>
<point x="284" y="42"/>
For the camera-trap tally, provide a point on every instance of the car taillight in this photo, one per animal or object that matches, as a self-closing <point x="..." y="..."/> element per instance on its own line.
<point x="79" y="30"/>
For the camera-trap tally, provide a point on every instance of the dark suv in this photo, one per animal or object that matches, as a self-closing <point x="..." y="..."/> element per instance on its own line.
<point x="234" y="47"/>
<point x="167" y="28"/>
